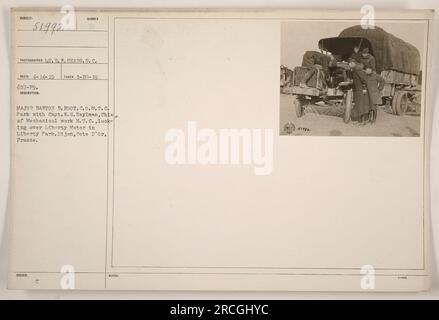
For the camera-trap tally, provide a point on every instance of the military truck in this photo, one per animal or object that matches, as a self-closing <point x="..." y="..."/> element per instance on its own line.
<point x="330" y="92"/>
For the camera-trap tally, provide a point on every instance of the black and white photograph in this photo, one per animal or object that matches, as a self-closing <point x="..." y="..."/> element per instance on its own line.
<point x="341" y="78"/>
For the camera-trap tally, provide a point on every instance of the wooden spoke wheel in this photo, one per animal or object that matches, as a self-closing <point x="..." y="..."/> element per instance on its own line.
<point x="400" y="103"/>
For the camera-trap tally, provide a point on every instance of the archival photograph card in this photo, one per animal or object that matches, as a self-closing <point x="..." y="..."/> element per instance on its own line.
<point x="274" y="150"/>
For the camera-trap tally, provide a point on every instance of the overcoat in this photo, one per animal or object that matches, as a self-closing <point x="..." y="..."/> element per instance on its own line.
<point x="361" y="96"/>
<point x="375" y="84"/>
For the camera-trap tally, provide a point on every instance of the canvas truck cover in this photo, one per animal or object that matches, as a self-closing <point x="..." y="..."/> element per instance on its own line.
<point x="391" y="53"/>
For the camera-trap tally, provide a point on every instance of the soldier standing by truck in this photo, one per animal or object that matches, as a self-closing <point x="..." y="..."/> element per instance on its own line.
<point x="375" y="84"/>
<point x="361" y="96"/>
<point x="367" y="59"/>
<point x="356" y="55"/>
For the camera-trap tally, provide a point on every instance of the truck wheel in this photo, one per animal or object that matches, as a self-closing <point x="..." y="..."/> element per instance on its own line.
<point x="348" y="107"/>
<point x="400" y="103"/>
<point x="297" y="104"/>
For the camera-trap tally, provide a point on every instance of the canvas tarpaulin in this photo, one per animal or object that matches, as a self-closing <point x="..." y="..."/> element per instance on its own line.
<point x="391" y="53"/>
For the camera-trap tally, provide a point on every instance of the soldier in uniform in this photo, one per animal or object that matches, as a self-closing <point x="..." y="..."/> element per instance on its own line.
<point x="361" y="96"/>
<point x="375" y="84"/>
<point x="356" y="55"/>
<point x="367" y="59"/>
